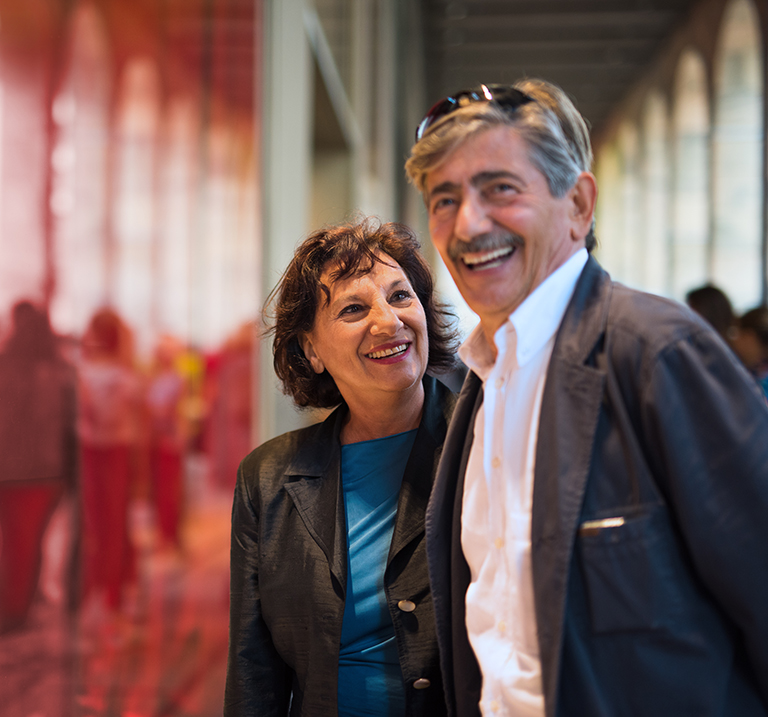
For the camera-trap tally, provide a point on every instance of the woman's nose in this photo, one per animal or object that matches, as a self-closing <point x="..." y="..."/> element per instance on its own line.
<point x="385" y="319"/>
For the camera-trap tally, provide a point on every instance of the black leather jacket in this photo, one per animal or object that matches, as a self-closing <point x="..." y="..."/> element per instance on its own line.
<point x="289" y="570"/>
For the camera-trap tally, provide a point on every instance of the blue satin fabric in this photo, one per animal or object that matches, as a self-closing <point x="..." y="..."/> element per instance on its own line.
<point x="370" y="680"/>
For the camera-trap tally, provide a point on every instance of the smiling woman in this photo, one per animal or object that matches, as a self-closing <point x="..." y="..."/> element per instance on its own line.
<point x="370" y="334"/>
<point x="331" y="611"/>
<point x="340" y="252"/>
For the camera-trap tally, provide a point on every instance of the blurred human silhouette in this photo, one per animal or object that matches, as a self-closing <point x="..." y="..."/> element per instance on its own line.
<point x="37" y="452"/>
<point x="165" y="395"/>
<point x="108" y="426"/>
<point x="229" y="424"/>
<point x="750" y="342"/>
<point x="713" y="306"/>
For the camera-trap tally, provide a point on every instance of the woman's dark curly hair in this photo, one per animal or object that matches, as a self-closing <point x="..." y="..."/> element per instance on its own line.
<point x="353" y="249"/>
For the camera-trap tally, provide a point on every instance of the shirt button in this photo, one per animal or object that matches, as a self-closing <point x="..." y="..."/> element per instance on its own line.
<point x="421" y="684"/>
<point x="502" y="626"/>
<point x="499" y="543"/>
<point x="496" y="462"/>
<point x="494" y="706"/>
<point x="406" y="605"/>
<point x="499" y="382"/>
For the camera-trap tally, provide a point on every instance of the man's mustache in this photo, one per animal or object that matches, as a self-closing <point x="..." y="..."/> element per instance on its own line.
<point x="485" y="242"/>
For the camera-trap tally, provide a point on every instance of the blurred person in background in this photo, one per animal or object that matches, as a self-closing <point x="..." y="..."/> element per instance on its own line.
<point x="167" y="435"/>
<point x="108" y="426"/>
<point x="750" y="342"/>
<point x="230" y="419"/>
<point x="714" y="306"/>
<point x="37" y="453"/>
<point x="331" y="610"/>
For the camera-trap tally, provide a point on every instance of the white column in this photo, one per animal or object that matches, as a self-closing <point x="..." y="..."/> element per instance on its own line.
<point x="287" y="166"/>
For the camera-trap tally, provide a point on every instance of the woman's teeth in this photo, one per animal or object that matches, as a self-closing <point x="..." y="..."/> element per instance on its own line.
<point x="388" y="352"/>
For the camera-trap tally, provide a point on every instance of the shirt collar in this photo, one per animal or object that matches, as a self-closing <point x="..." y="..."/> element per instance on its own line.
<point x="534" y="322"/>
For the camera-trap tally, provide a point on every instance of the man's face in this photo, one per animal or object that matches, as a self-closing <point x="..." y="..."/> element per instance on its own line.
<point x="497" y="227"/>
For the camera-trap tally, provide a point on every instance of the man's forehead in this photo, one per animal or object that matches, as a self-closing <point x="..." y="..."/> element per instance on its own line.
<point x="464" y="164"/>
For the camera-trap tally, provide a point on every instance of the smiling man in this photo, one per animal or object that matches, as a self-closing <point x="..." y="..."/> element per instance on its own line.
<point x="597" y="532"/>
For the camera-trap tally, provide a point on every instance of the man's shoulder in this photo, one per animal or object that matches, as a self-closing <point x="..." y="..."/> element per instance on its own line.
<point x="651" y="321"/>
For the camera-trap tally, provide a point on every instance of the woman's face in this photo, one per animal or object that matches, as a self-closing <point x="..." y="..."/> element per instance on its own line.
<point x="371" y="336"/>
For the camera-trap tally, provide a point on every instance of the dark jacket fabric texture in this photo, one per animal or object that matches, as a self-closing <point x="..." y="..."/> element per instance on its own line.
<point x="289" y="572"/>
<point x="648" y="417"/>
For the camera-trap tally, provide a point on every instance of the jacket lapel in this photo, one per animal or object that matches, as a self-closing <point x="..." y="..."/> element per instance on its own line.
<point x="421" y="467"/>
<point x="315" y="488"/>
<point x="569" y="413"/>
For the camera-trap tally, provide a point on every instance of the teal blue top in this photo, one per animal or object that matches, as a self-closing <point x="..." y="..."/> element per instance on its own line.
<point x="370" y="681"/>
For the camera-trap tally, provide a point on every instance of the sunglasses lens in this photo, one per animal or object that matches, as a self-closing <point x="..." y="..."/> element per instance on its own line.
<point x="438" y="110"/>
<point x="507" y="98"/>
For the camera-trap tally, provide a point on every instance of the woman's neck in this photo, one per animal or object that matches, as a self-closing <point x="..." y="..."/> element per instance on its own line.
<point x="376" y="418"/>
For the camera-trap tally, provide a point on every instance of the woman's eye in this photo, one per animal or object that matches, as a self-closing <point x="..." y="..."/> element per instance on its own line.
<point x="401" y="295"/>
<point x="351" y="309"/>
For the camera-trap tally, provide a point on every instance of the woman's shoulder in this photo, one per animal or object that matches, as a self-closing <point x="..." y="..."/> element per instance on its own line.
<point x="274" y="456"/>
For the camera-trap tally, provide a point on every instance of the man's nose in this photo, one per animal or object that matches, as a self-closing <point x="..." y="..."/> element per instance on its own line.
<point x="471" y="218"/>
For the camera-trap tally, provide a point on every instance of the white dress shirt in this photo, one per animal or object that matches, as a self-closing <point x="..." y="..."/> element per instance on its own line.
<point x="496" y="532"/>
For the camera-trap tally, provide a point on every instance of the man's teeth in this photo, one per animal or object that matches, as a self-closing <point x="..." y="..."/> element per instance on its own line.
<point x="485" y="257"/>
<point x="388" y="352"/>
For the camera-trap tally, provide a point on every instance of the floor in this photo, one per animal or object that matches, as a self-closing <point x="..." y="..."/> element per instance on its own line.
<point x="163" y="656"/>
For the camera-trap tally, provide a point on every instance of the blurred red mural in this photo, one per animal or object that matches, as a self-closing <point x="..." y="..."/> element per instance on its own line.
<point x="129" y="247"/>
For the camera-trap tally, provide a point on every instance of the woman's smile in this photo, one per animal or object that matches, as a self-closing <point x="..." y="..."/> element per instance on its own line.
<point x="395" y="352"/>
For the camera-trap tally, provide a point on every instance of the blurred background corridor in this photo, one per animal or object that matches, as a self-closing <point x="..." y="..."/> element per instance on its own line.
<point x="159" y="162"/>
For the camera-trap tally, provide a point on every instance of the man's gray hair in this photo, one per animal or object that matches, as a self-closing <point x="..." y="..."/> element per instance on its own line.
<point x="553" y="129"/>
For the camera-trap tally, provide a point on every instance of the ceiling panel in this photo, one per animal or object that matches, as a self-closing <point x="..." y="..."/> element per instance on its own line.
<point x="594" y="49"/>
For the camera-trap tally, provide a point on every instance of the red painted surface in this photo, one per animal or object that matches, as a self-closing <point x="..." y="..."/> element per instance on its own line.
<point x="128" y="179"/>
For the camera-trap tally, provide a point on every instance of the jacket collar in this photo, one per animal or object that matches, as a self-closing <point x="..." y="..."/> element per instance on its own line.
<point x="313" y="479"/>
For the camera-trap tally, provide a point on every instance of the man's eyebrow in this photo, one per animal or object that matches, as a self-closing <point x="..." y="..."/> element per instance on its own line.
<point x="477" y="180"/>
<point x="488" y="176"/>
<point x="443" y="188"/>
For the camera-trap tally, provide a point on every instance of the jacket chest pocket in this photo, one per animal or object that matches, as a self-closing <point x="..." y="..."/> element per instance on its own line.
<point x="627" y="563"/>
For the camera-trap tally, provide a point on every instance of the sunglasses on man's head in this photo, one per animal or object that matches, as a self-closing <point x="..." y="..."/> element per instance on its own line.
<point x="506" y="97"/>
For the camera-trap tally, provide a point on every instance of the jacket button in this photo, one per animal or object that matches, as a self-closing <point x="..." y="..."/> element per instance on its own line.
<point x="421" y="684"/>
<point x="407" y="605"/>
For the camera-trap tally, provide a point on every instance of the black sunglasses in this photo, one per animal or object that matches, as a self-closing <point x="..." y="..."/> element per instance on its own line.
<point x="506" y="97"/>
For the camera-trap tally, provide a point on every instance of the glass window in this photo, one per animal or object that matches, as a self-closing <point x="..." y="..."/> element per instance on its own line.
<point x="690" y="217"/>
<point x="80" y="160"/>
<point x="609" y="221"/>
<point x="138" y="119"/>
<point x="632" y="254"/>
<point x="738" y="156"/>
<point x="654" y="243"/>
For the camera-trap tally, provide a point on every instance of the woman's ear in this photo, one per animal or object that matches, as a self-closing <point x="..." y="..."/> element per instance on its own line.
<point x="308" y="348"/>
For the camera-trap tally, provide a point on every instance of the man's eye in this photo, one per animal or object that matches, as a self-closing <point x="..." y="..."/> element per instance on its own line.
<point x="442" y="203"/>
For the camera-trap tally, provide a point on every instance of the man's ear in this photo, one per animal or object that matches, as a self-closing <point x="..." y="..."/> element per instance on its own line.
<point x="583" y="196"/>
<point x="308" y="348"/>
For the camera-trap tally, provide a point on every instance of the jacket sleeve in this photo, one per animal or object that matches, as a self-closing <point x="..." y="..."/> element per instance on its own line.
<point x="710" y="424"/>
<point x="258" y="681"/>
